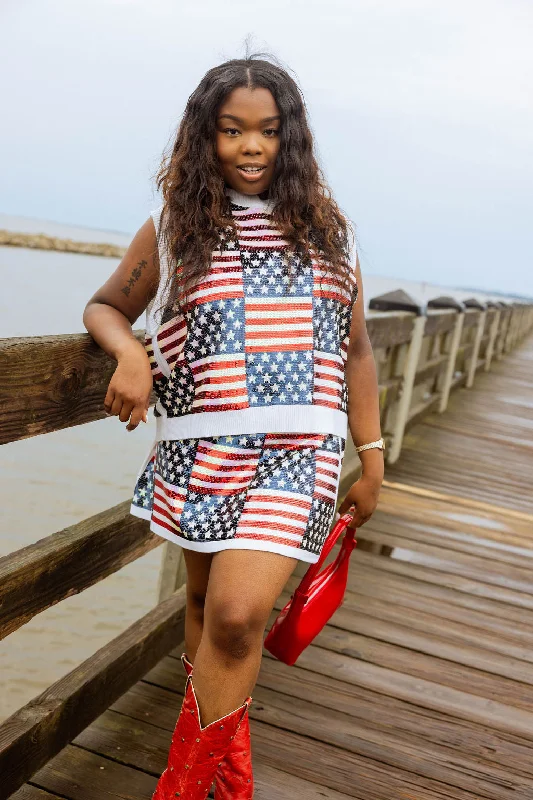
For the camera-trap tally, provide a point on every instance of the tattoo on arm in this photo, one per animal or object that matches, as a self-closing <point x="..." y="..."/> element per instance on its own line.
<point x="134" y="277"/>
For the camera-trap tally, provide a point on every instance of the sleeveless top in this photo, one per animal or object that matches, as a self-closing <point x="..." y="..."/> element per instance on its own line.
<point x="251" y="351"/>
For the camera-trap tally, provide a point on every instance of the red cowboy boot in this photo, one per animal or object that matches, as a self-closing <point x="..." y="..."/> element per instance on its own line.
<point x="195" y="752"/>
<point x="234" y="777"/>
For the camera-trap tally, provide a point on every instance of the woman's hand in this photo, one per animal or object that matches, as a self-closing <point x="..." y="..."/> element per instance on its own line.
<point x="363" y="495"/>
<point x="128" y="394"/>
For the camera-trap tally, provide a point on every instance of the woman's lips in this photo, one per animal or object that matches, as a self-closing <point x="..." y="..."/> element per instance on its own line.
<point x="251" y="177"/>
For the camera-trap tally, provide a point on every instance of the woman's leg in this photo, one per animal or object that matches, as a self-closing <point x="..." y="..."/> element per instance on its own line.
<point x="198" y="567"/>
<point x="243" y="587"/>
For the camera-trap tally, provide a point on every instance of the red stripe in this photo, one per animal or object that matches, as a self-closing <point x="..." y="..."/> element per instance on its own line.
<point x="326" y="376"/>
<point x="265" y="512"/>
<point x="269" y="538"/>
<point x="259" y="348"/>
<point x="283" y="500"/>
<point x="220" y="379"/>
<point x="287" y="305"/>
<point x="206" y="394"/>
<point x="328" y="390"/>
<point x="231" y="361"/>
<point x="326" y="362"/>
<point x="274" y="320"/>
<point x="288" y="333"/>
<point x="319" y="402"/>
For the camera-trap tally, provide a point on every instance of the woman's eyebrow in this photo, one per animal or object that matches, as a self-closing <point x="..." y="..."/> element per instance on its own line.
<point x="238" y="119"/>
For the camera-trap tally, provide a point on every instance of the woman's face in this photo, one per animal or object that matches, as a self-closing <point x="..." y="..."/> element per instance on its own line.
<point x="247" y="139"/>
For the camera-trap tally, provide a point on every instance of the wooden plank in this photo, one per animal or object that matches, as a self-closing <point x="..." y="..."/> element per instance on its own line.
<point x="497" y="572"/>
<point x="29" y="792"/>
<point x="462" y="635"/>
<point x="453" y="535"/>
<point x="35" y="733"/>
<point x="440" y="578"/>
<point x="454" y="519"/>
<point x="409" y="721"/>
<point x="458" y="633"/>
<point x="65" y="563"/>
<point x="366" y="664"/>
<point x="414" y="596"/>
<point x="458" y="500"/>
<point x="100" y="777"/>
<point x="471" y="319"/>
<point x="140" y="742"/>
<point x="503" y="702"/>
<point x="76" y="774"/>
<point x="316" y="728"/>
<point x="370" y="709"/>
<point x="387" y="328"/>
<point x="440" y="321"/>
<point x="426" y="587"/>
<point x="339" y="770"/>
<point x="431" y="369"/>
<point x="51" y="382"/>
<point x="421" y="409"/>
<point x="364" y="723"/>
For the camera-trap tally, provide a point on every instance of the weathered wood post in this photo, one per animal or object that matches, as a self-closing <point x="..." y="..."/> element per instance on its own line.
<point x="510" y="334"/>
<point x="502" y="327"/>
<point x="506" y="338"/>
<point x="401" y="301"/>
<point x="472" y="367"/>
<point x="492" y="334"/>
<point x="449" y="302"/>
<point x="173" y="571"/>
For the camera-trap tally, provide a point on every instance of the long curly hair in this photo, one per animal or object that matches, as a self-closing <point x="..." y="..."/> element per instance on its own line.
<point x="196" y="210"/>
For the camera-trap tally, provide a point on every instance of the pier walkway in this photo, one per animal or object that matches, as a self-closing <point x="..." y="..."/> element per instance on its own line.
<point x="421" y="688"/>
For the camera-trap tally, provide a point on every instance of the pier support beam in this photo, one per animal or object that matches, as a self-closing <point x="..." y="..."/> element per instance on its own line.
<point x="450" y="302"/>
<point x="472" y="367"/>
<point x="173" y="572"/>
<point x="400" y="301"/>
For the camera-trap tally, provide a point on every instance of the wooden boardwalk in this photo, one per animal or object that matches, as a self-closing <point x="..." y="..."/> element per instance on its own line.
<point x="421" y="688"/>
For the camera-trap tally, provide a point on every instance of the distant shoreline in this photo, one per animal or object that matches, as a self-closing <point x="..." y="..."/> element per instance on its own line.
<point x="41" y="241"/>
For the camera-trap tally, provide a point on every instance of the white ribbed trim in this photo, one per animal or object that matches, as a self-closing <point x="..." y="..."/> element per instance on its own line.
<point x="259" y="419"/>
<point x="225" y="544"/>
<point x="248" y="200"/>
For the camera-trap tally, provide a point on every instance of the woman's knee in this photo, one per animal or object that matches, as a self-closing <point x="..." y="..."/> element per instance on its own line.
<point x="234" y="628"/>
<point x="196" y="601"/>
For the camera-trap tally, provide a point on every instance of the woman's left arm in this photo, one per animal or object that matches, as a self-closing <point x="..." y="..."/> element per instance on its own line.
<point x="363" y="414"/>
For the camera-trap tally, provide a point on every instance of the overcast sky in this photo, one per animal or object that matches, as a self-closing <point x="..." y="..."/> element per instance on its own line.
<point x="422" y="113"/>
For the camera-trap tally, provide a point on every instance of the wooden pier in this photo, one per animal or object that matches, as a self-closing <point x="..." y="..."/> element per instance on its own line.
<point x="421" y="688"/>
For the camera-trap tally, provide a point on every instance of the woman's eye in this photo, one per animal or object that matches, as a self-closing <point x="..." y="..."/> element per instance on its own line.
<point x="273" y="131"/>
<point x="231" y="130"/>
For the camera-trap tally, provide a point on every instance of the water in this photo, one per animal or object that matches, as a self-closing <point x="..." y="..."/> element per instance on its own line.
<point x="58" y="479"/>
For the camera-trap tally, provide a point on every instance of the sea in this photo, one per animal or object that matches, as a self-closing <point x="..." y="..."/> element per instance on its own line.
<point x="57" y="479"/>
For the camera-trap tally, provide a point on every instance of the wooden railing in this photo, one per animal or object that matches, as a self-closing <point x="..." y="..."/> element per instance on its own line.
<point x="55" y="382"/>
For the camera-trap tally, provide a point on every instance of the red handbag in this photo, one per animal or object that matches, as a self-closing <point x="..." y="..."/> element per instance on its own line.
<point x="315" y="600"/>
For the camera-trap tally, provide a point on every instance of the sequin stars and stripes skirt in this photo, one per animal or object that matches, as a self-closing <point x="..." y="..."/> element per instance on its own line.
<point x="263" y="491"/>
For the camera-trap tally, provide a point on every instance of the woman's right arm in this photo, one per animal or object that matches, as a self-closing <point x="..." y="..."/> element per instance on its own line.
<point x="109" y="317"/>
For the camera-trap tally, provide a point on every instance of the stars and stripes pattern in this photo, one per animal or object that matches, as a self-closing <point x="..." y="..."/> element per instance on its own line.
<point x="263" y="327"/>
<point x="262" y="491"/>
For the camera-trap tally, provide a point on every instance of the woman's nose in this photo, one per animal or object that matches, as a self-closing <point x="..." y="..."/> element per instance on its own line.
<point x="252" y="144"/>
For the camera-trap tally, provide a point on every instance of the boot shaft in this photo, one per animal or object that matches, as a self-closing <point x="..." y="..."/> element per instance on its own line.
<point x="196" y="752"/>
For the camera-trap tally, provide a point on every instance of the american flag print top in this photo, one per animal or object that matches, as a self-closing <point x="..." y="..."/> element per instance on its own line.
<point x="251" y="412"/>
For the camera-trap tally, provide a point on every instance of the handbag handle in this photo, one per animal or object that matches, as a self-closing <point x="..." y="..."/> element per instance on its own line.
<point x="338" y="528"/>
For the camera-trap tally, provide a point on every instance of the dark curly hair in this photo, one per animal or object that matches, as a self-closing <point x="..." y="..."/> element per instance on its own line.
<point x="196" y="210"/>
